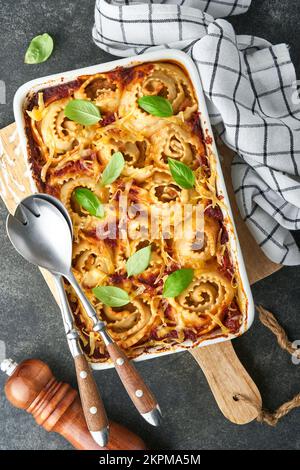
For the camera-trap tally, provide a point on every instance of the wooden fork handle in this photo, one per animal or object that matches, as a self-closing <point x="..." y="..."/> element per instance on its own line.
<point x="138" y="391"/>
<point x="91" y="401"/>
<point x="229" y="382"/>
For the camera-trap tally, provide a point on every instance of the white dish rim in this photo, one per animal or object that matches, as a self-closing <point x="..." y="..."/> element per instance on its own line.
<point x="184" y="60"/>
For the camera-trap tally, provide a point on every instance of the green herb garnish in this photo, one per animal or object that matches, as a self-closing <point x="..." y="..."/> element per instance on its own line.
<point x="39" y="50"/>
<point x="182" y="174"/>
<point x="156" y="105"/>
<point x="111" y="296"/>
<point x="89" y="201"/>
<point x="177" y="282"/>
<point x="139" y="261"/>
<point x="113" y="169"/>
<point x="83" y="111"/>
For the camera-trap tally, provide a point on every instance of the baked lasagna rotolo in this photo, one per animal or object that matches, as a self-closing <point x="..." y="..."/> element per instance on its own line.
<point x="66" y="156"/>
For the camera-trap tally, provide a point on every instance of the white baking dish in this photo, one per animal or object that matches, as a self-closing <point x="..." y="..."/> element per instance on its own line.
<point x="184" y="60"/>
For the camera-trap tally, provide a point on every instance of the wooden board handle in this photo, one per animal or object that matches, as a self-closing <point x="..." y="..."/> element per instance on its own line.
<point x="138" y="391"/>
<point x="228" y="379"/>
<point x="91" y="401"/>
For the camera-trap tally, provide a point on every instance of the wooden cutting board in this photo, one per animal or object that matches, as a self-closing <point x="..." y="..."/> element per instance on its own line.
<point x="224" y="372"/>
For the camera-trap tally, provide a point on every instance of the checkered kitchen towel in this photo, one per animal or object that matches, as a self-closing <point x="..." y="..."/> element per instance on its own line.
<point x="252" y="97"/>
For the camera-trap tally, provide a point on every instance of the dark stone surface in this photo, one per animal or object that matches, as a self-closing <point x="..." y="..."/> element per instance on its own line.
<point x="30" y="322"/>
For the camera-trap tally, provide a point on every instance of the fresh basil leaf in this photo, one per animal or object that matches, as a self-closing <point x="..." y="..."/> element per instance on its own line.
<point x="138" y="262"/>
<point x="39" y="50"/>
<point x="113" y="169"/>
<point x="82" y="111"/>
<point x="111" y="296"/>
<point x="182" y="174"/>
<point x="177" y="282"/>
<point x="156" y="105"/>
<point x="89" y="201"/>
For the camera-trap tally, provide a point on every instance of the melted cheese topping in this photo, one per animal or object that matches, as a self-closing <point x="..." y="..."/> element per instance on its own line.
<point x="66" y="155"/>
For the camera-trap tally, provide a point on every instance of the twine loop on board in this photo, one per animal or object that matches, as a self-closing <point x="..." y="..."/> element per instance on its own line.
<point x="264" y="416"/>
<point x="267" y="319"/>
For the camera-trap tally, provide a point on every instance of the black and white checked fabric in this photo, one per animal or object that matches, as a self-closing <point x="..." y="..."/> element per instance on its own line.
<point x="252" y="97"/>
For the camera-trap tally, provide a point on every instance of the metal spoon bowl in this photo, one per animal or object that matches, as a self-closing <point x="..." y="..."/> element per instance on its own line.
<point x="59" y="205"/>
<point x="41" y="234"/>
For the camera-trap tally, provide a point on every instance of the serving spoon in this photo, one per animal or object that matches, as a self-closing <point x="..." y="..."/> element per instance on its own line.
<point x="89" y="394"/>
<point x="41" y="234"/>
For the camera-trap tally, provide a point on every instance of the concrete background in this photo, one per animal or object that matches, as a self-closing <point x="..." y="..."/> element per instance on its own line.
<point x="30" y="322"/>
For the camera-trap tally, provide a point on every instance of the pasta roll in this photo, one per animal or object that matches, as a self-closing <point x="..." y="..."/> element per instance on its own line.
<point x="93" y="262"/>
<point x="74" y="165"/>
<point x="103" y="89"/>
<point x="169" y="81"/>
<point x="166" y="80"/>
<point x="196" y="247"/>
<point x="203" y="303"/>
<point x="80" y="217"/>
<point x="58" y="134"/>
<point x="134" y="148"/>
<point x="163" y="189"/>
<point x="177" y="142"/>
<point x="128" y="325"/>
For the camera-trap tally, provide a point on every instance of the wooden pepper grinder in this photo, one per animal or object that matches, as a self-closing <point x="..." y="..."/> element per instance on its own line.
<point x="56" y="406"/>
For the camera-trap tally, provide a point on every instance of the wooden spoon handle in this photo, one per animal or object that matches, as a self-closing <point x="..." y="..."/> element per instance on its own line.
<point x="91" y="401"/>
<point x="138" y="391"/>
<point x="228" y="380"/>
